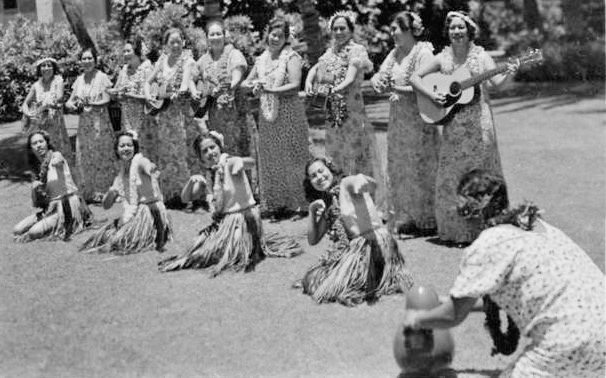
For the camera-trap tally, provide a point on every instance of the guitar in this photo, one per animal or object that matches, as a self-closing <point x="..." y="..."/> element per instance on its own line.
<point x="460" y="88"/>
<point x="200" y="106"/>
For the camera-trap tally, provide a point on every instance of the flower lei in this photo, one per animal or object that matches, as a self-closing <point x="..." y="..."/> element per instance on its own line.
<point x="472" y="61"/>
<point x="48" y="97"/>
<point x="174" y="80"/>
<point x="337" y="63"/>
<point x="132" y="84"/>
<point x="42" y="176"/>
<point x="273" y="74"/>
<point x="336" y="231"/>
<point x="214" y="179"/>
<point x="408" y="69"/>
<point x="217" y="75"/>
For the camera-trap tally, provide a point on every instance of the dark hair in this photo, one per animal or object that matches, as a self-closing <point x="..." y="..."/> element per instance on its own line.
<point x="311" y="194"/>
<point x="471" y="30"/>
<point x="278" y="23"/>
<point x="92" y="52"/>
<point x="348" y="21"/>
<point x="406" y="22"/>
<point x="117" y="141"/>
<point x="503" y="343"/>
<point x="137" y="44"/>
<point x="170" y="32"/>
<point x="55" y="68"/>
<point x="32" y="160"/>
<point x="483" y="195"/>
<point x="200" y="138"/>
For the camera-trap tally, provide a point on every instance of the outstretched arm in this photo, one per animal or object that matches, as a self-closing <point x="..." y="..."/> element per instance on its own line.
<point x="194" y="189"/>
<point x="449" y="314"/>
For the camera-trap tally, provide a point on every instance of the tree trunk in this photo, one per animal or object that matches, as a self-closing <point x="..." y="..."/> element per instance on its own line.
<point x="311" y="30"/>
<point x="73" y="12"/>
<point x="532" y="16"/>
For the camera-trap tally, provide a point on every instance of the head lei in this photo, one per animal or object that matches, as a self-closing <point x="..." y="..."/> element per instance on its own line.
<point x="348" y="15"/>
<point x="133" y="134"/>
<point x="215" y="135"/>
<point x="417" y="24"/>
<point x="44" y="60"/>
<point x="464" y="17"/>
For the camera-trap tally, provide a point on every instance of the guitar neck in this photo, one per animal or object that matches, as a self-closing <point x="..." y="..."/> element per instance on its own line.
<point x="472" y="81"/>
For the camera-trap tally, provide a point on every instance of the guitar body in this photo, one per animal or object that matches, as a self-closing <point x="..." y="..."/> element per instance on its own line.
<point x="450" y="86"/>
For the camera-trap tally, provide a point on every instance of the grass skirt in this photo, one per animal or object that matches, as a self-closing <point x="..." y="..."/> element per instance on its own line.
<point x="148" y="229"/>
<point x="234" y="242"/>
<point x="74" y="216"/>
<point x="369" y="267"/>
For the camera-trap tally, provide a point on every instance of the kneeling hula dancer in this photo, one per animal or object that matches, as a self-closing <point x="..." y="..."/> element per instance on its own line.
<point x="364" y="262"/>
<point x="145" y="224"/>
<point x="235" y="239"/>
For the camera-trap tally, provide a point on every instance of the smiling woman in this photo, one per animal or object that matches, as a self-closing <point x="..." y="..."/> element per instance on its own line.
<point x="145" y="223"/>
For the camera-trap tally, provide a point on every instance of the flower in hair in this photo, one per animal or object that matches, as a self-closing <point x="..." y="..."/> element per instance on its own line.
<point x="417" y="24"/>
<point x="133" y="134"/>
<point x="464" y="17"/>
<point x="349" y="15"/>
<point x="217" y="135"/>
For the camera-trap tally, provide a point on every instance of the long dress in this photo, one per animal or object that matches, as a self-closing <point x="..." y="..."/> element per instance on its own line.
<point x="412" y="146"/>
<point x="175" y="135"/>
<point x="235" y="239"/>
<point x="58" y="200"/>
<point x="228" y="113"/>
<point x="364" y="261"/>
<point x="350" y="142"/>
<point x="283" y="137"/>
<point x="51" y="120"/>
<point x="145" y="223"/>
<point x="550" y="288"/>
<point x="133" y="115"/>
<point x="94" y="144"/>
<point x="469" y="141"/>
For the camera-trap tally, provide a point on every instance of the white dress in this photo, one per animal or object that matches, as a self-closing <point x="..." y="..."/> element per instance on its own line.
<point x="551" y="289"/>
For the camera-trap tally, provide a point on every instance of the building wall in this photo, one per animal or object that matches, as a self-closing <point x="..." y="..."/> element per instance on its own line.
<point x="51" y="10"/>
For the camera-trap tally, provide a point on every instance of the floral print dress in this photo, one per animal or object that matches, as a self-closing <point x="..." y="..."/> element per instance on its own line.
<point x="283" y="137"/>
<point x="228" y="114"/>
<point x="95" y="142"/>
<point x="133" y="115"/>
<point x="175" y="138"/>
<point x="552" y="290"/>
<point x="350" y="144"/>
<point x="469" y="141"/>
<point x="412" y="146"/>
<point x="51" y="120"/>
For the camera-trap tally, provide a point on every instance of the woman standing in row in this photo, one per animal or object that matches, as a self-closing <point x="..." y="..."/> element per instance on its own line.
<point x="172" y="74"/>
<point x="349" y="135"/>
<point x="95" y="134"/>
<point x="283" y="128"/>
<point x="129" y="90"/>
<point x="412" y="144"/>
<point x="43" y="106"/>
<point x="469" y="138"/>
<point x="222" y="69"/>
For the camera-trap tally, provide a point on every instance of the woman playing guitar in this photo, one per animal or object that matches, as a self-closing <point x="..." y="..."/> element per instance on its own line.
<point x="469" y="139"/>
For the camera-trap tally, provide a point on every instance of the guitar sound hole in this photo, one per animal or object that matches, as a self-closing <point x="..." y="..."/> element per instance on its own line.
<point x="455" y="88"/>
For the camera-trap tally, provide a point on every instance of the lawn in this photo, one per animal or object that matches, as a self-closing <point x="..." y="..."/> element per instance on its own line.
<point x="66" y="314"/>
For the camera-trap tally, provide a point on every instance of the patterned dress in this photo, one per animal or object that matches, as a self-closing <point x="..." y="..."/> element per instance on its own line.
<point x="51" y="120"/>
<point x="412" y="146"/>
<point x="351" y="145"/>
<point x="175" y="134"/>
<point x="133" y="116"/>
<point x="95" y="142"/>
<point x="283" y="137"/>
<point x="551" y="289"/>
<point x="231" y="118"/>
<point x="469" y="141"/>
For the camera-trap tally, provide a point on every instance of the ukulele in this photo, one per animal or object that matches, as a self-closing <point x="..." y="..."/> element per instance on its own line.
<point x="460" y="88"/>
<point x="160" y="99"/>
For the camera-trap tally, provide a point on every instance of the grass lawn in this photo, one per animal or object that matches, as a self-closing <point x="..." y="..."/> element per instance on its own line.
<point x="66" y="314"/>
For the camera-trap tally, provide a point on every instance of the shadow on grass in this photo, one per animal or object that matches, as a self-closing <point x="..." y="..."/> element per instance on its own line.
<point x="492" y="373"/>
<point x="447" y="244"/>
<point x="13" y="159"/>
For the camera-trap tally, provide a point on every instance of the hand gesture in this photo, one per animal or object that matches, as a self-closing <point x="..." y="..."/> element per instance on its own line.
<point x="438" y="98"/>
<point x="513" y="66"/>
<point x="317" y="209"/>
<point x="197" y="179"/>
<point x="378" y="83"/>
<point x="411" y="320"/>
<point x="237" y="165"/>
